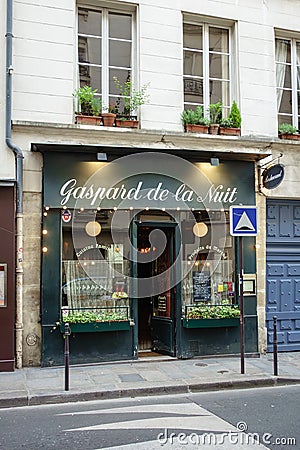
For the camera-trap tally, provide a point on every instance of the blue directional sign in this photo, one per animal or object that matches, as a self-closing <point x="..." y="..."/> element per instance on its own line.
<point x="243" y="220"/>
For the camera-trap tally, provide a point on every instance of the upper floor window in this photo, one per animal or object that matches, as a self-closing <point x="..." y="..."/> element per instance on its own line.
<point x="287" y="56"/>
<point x="105" y="50"/>
<point x="206" y="66"/>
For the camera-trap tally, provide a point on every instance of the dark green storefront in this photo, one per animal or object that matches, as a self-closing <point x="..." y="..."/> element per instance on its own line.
<point x="123" y="239"/>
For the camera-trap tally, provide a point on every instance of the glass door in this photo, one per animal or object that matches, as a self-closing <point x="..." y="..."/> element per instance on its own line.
<point x="156" y="303"/>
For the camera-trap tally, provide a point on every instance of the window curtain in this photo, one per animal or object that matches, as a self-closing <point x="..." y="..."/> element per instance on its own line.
<point x="225" y="69"/>
<point x="87" y="290"/>
<point x="280" y="56"/>
<point x="298" y="65"/>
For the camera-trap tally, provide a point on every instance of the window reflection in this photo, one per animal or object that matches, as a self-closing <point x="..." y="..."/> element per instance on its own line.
<point x="206" y="66"/>
<point x="112" y="31"/>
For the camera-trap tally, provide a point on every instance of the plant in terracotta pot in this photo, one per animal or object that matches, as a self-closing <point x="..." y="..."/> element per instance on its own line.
<point x="90" y="107"/>
<point x="109" y="117"/>
<point x="232" y="124"/>
<point x="215" y="115"/>
<point x="194" y="121"/>
<point x="132" y="99"/>
<point x="288" y="131"/>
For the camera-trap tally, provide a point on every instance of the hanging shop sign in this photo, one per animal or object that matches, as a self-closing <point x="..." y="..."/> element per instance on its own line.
<point x="272" y="176"/>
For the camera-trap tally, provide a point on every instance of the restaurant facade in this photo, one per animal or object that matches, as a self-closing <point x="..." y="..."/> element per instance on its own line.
<point x="130" y="227"/>
<point x="141" y="241"/>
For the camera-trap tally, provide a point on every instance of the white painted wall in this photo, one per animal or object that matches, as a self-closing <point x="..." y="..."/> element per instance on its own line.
<point x="45" y="58"/>
<point x="44" y="55"/>
<point x="7" y="160"/>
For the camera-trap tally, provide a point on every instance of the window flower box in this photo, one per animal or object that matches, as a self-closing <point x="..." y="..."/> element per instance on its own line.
<point x="127" y="122"/>
<point x="292" y="137"/>
<point x="211" y="323"/>
<point x="88" y="320"/>
<point x="194" y="128"/>
<point x="288" y="131"/>
<point x="88" y="120"/>
<point x="229" y="131"/>
<point x="210" y="316"/>
<point x="90" y="327"/>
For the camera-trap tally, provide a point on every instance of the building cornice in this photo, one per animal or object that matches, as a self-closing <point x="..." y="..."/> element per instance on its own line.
<point x="252" y="148"/>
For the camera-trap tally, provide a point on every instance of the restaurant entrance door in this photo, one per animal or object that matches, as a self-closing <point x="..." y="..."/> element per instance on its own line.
<point x="156" y="310"/>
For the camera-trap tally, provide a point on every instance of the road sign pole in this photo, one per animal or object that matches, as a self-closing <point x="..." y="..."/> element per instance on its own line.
<point x="242" y="341"/>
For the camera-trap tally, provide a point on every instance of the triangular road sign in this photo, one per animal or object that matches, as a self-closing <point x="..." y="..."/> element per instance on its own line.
<point x="243" y="220"/>
<point x="244" y="223"/>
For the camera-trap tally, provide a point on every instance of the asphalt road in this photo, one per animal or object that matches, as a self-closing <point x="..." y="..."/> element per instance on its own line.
<point x="204" y="420"/>
<point x="270" y="412"/>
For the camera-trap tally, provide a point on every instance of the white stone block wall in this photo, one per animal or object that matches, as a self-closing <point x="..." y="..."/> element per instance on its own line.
<point x="45" y="58"/>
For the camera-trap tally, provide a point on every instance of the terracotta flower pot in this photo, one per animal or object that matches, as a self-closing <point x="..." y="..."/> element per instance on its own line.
<point x="214" y="128"/>
<point x="196" y="128"/>
<point x="108" y="119"/>
<point x="295" y="137"/>
<point x="127" y="123"/>
<point x="230" y="131"/>
<point x="88" y="120"/>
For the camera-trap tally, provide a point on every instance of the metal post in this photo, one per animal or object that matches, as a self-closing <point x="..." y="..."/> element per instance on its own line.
<point x="67" y="356"/>
<point x="242" y="306"/>
<point x="275" y="356"/>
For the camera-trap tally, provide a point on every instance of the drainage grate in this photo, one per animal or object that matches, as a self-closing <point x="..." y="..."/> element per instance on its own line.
<point x="130" y="377"/>
<point x="201" y="364"/>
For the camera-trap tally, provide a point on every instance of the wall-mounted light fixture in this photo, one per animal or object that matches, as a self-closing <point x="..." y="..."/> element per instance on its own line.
<point x="214" y="161"/>
<point x="101" y="157"/>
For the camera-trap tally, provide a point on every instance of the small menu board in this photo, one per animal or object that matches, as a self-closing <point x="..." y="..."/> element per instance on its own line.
<point x="201" y="287"/>
<point x="162" y="303"/>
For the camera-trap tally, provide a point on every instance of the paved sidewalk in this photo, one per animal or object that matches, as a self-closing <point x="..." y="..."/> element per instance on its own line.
<point x="147" y="376"/>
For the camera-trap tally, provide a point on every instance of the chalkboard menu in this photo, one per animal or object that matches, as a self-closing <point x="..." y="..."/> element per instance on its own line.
<point x="201" y="287"/>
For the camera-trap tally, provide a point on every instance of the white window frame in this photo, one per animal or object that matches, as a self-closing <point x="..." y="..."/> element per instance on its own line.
<point x="293" y="64"/>
<point x="206" y="54"/>
<point x="104" y="65"/>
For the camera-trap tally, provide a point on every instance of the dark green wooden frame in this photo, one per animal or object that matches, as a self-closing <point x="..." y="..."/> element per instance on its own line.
<point x="211" y="323"/>
<point x="90" y="327"/>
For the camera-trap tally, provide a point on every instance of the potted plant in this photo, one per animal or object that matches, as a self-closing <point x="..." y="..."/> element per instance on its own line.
<point x="208" y="316"/>
<point x="109" y="117"/>
<point x="90" y="107"/>
<point x="83" y="320"/>
<point x="232" y="124"/>
<point x="215" y="115"/>
<point x="133" y="99"/>
<point x="194" y="121"/>
<point x="288" y="131"/>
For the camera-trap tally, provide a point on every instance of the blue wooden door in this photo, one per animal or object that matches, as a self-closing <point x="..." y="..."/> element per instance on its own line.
<point x="283" y="273"/>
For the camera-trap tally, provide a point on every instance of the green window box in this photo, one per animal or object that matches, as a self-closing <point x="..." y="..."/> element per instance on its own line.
<point x="90" y="327"/>
<point x="211" y="323"/>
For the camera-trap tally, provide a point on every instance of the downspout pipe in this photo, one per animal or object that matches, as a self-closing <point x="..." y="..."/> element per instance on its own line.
<point x="19" y="184"/>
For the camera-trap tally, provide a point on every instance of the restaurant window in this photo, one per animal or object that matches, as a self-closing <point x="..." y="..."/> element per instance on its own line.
<point x="95" y="269"/>
<point x="105" y="50"/>
<point x="287" y="57"/>
<point x="210" y="265"/>
<point x="206" y="66"/>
